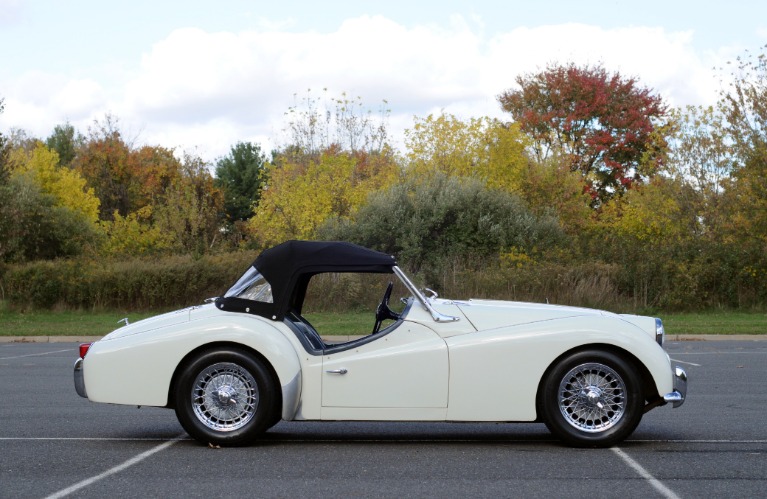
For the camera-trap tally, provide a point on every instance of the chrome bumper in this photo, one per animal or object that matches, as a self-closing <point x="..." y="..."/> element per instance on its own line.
<point x="79" y="379"/>
<point x="676" y="398"/>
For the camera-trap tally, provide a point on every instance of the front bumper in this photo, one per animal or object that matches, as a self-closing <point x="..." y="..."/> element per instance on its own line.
<point x="79" y="379"/>
<point x="676" y="398"/>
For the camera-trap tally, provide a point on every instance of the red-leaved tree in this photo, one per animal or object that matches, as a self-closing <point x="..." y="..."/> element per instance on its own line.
<point x="604" y="125"/>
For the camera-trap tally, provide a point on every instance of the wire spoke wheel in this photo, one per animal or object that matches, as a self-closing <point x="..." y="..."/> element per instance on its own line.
<point x="225" y="396"/>
<point x="592" y="397"/>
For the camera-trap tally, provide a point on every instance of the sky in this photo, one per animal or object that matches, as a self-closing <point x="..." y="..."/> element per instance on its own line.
<point x="200" y="76"/>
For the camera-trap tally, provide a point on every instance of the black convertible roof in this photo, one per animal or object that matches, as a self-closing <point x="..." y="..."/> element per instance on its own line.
<point x="289" y="266"/>
<point x="281" y="262"/>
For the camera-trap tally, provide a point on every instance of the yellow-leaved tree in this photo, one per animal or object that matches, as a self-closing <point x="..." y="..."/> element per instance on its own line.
<point x="482" y="148"/>
<point x="67" y="186"/>
<point x="650" y="231"/>
<point x="302" y="195"/>
<point x="495" y="153"/>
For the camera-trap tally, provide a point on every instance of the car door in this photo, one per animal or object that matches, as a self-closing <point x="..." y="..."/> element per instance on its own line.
<point x="404" y="369"/>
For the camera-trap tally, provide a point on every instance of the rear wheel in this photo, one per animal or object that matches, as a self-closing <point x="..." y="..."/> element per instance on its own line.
<point x="592" y="399"/>
<point x="225" y="397"/>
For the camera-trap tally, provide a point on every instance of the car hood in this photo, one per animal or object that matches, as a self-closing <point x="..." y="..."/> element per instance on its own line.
<point x="489" y="314"/>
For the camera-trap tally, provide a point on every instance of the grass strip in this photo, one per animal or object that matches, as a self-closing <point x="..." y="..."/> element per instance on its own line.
<point x="98" y="323"/>
<point x="715" y="322"/>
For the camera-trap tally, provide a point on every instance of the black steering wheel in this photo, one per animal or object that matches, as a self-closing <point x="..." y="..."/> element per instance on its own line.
<point x="383" y="311"/>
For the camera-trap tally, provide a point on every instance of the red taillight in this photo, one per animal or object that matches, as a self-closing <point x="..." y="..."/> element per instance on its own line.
<point x="84" y="349"/>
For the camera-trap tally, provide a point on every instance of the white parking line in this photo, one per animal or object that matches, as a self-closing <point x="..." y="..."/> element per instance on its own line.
<point x="656" y="484"/>
<point x="688" y="363"/>
<point x="36" y="354"/>
<point x="112" y="471"/>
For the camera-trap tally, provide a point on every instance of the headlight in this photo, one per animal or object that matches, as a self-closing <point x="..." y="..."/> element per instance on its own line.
<point x="660" y="333"/>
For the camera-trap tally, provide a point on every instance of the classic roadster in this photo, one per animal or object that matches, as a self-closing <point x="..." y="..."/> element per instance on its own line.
<point x="233" y="368"/>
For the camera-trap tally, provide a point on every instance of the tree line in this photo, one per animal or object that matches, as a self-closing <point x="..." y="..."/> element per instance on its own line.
<point x="592" y="174"/>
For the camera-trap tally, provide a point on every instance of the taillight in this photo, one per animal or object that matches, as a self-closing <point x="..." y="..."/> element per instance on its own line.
<point x="84" y="349"/>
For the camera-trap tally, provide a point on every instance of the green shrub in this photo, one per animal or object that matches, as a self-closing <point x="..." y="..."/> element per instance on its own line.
<point x="428" y="224"/>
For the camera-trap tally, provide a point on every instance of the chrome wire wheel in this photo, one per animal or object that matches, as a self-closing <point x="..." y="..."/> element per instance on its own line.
<point x="592" y="397"/>
<point x="224" y="396"/>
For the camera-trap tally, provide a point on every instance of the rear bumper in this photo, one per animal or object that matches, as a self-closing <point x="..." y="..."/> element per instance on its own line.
<point x="79" y="379"/>
<point x="676" y="398"/>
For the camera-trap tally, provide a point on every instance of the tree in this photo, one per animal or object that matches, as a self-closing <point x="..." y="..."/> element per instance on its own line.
<point x="134" y="235"/>
<point x="190" y="214"/>
<point x="66" y="186"/>
<point x="65" y="141"/>
<point x="652" y="232"/>
<point x="745" y="109"/>
<point x="481" y="148"/>
<point x="103" y="162"/>
<point x="300" y="197"/>
<point x="317" y="123"/>
<point x="240" y="175"/>
<point x="33" y="226"/>
<point x="744" y="106"/>
<point x="125" y="179"/>
<point x="609" y="128"/>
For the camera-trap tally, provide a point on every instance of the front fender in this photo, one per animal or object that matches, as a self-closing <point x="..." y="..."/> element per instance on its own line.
<point x="137" y="369"/>
<point x="510" y="362"/>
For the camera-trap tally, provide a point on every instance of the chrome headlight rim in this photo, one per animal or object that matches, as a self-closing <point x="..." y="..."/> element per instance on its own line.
<point x="660" y="332"/>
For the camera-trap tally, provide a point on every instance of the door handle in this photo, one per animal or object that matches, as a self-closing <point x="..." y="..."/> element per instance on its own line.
<point x="338" y="371"/>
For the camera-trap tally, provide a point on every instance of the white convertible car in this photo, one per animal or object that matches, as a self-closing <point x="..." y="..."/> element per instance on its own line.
<point x="233" y="368"/>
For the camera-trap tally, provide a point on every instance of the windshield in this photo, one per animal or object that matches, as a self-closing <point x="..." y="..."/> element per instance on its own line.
<point x="251" y="286"/>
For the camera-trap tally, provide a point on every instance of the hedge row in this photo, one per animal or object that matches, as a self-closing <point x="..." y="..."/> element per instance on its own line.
<point x="125" y="285"/>
<point x="179" y="281"/>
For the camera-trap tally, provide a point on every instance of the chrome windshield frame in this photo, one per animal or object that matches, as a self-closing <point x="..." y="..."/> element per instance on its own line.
<point x="436" y="315"/>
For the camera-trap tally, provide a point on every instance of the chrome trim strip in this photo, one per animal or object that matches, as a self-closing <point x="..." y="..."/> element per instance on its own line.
<point x="80" y="379"/>
<point x="437" y="316"/>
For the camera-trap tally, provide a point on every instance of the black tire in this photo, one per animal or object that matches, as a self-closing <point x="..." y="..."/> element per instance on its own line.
<point x="225" y="397"/>
<point x="592" y="399"/>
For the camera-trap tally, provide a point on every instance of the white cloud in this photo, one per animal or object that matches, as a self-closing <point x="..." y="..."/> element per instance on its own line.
<point x="203" y="89"/>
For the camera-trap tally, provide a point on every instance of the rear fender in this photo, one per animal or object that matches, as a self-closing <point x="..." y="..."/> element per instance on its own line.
<point x="138" y="369"/>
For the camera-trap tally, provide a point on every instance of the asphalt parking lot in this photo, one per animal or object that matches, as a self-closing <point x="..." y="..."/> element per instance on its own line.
<point x="55" y="444"/>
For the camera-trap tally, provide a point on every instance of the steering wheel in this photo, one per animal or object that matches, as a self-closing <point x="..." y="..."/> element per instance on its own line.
<point x="383" y="311"/>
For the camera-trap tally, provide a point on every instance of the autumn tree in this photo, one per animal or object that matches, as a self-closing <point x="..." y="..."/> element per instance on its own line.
<point x="241" y="175"/>
<point x="46" y="211"/>
<point x="651" y="232"/>
<point x="743" y="105"/>
<point x="336" y="156"/>
<point x="482" y="148"/>
<point x="610" y="128"/>
<point x="300" y="197"/>
<point x="103" y="162"/>
<point x="124" y="178"/>
<point x="66" y="186"/>
<point x="153" y="170"/>
<point x="745" y="109"/>
<point x="191" y="213"/>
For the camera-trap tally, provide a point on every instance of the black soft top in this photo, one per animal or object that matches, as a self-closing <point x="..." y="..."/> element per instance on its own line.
<point x="289" y="266"/>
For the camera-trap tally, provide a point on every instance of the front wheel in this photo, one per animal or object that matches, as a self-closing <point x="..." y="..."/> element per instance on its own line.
<point x="592" y="399"/>
<point x="225" y="397"/>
